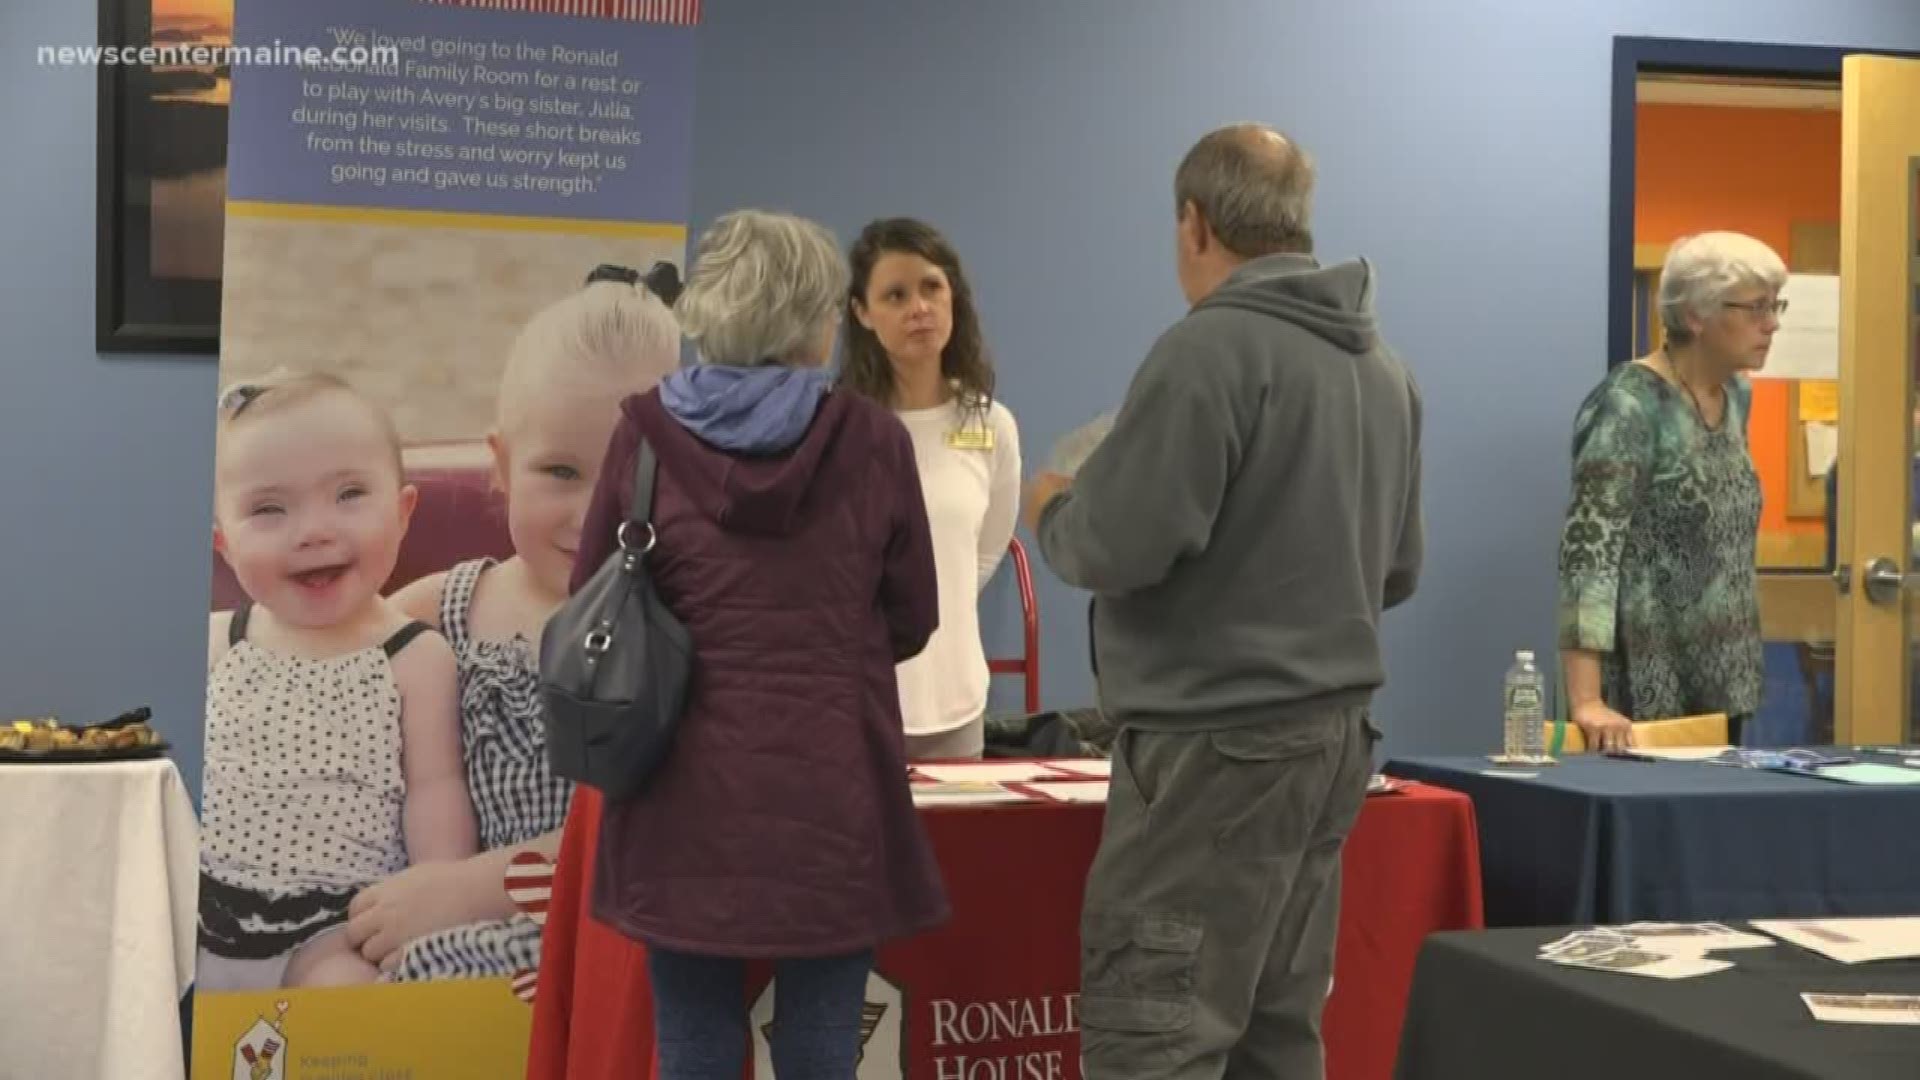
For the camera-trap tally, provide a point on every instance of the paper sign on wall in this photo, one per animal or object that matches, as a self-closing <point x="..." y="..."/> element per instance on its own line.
<point x="1820" y="401"/>
<point x="1823" y="447"/>
<point x="1807" y="343"/>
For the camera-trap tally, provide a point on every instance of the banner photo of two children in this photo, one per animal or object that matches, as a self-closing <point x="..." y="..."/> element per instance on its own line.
<point x="449" y="230"/>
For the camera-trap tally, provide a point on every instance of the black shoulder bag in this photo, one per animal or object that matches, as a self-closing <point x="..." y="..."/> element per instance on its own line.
<point x="614" y="663"/>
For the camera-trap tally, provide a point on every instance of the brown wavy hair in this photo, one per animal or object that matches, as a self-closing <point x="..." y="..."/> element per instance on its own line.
<point x="864" y="366"/>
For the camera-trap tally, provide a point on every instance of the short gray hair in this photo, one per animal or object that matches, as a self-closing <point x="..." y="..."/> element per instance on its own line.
<point x="1254" y="185"/>
<point x="1704" y="269"/>
<point x="763" y="287"/>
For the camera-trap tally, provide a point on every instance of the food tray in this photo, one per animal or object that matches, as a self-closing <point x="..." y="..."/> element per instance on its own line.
<point x="73" y="756"/>
<point x="81" y="754"/>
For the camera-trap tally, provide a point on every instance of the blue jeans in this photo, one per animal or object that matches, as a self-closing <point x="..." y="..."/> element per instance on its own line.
<point x="700" y="1016"/>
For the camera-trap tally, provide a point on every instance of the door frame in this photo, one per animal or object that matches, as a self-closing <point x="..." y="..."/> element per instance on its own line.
<point x="1880" y="166"/>
<point x="1636" y="56"/>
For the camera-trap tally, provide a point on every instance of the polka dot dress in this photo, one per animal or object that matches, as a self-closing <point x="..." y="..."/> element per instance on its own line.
<point x="302" y="793"/>
<point x="515" y="794"/>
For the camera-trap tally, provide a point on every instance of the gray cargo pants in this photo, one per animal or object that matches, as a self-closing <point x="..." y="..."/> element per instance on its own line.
<point x="1212" y="908"/>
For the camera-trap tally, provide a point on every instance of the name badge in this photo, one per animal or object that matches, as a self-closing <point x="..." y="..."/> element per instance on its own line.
<point x="971" y="439"/>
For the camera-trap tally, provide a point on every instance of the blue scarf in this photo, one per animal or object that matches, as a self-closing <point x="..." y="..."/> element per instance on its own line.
<point x="765" y="409"/>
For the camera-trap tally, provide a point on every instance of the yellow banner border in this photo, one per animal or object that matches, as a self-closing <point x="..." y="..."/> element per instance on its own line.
<point x="443" y="219"/>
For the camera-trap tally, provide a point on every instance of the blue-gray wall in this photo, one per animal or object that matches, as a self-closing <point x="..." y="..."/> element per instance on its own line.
<point x="1462" y="146"/>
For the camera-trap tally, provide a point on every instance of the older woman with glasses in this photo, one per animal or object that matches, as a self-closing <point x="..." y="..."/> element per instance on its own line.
<point x="1659" y="615"/>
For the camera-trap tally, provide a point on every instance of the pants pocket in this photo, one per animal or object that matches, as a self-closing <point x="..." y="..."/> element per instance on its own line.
<point x="1271" y="787"/>
<point x="1123" y="760"/>
<point x="1137" y="971"/>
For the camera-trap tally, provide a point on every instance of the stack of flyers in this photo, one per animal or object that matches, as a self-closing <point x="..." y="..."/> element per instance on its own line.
<point x="1076" y="446"/>
<point x="1603" y="949"/>
<point x="1693" y="938"/>
<point x="1795" y="760"/>
<point x="963" y="793"/>
<point x="1864" y="1008"/>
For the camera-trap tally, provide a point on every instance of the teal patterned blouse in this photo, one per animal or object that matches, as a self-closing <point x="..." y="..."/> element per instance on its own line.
<point x="1657" y="553"/>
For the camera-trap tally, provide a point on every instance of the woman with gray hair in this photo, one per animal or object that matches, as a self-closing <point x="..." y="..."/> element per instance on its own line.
<point x="790" y="536"/>
<point x="1658" y="613"/>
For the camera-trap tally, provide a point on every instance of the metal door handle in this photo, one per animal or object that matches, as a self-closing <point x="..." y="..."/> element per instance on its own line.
<point x="1884" y="580"/>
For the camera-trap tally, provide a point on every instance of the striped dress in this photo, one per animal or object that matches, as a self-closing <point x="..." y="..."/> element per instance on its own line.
<point x="516" y="797"/>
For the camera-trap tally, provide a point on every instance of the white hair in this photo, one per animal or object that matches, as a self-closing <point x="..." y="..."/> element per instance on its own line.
<point x="763" y="287"/>
<point x="610" y="334"/>
<point x="1704" y="270"/>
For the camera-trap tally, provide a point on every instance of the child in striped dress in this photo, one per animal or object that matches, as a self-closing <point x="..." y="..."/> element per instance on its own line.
<point x="559" y="399"/>
<point x="332" y="736"/>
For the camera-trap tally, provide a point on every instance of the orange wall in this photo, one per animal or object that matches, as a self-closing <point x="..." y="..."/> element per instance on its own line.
<point x="1756" y="171"/>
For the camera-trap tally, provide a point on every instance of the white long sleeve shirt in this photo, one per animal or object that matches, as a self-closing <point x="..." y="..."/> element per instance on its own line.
<point x="972" y="495"/>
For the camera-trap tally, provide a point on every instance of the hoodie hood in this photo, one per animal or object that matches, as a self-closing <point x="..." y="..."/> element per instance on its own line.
<point x="745" y="410"/>
<point x="755" y="490"/>
<point x="1333" y="302"/>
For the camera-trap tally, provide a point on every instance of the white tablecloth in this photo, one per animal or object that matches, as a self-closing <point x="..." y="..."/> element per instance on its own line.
<point x="99" y="869"/>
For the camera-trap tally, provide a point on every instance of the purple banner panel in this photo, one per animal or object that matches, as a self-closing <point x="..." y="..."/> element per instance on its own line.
<point x="404" y="104"/>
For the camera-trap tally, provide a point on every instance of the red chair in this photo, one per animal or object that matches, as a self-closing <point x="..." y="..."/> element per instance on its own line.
<point x="1027" y="665"/>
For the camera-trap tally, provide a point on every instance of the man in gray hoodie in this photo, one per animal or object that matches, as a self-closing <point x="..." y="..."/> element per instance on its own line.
<point x="1253" y="511"/>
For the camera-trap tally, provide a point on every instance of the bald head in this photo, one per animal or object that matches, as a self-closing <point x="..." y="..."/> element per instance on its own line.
<point x="1254" y="188"/>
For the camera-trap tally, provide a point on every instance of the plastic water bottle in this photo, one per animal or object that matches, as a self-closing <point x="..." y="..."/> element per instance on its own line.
<point x="1525" y="699"/>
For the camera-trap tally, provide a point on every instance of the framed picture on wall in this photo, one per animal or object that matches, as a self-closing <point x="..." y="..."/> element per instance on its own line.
<point x="162" y="178"/>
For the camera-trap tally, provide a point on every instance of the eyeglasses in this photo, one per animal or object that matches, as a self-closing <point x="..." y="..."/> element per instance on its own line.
<point x="1759" y="309"/>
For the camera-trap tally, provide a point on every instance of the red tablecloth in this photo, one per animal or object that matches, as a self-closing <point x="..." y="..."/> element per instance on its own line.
<point x="990" y="996"/>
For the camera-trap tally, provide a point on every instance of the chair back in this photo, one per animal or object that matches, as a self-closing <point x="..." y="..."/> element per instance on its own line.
<point x="1707" y="729"/>
<point x="458" y="517"/>
<point x="1570" y="739"/>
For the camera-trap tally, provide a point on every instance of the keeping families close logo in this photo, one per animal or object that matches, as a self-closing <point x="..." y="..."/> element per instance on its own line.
<point x="882" y="1032"/>
<point x="261" y="1053"/>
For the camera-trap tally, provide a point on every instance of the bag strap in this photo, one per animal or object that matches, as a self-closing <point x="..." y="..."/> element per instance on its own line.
<point x="644" y="468"/>
<point x="636" y="536"/>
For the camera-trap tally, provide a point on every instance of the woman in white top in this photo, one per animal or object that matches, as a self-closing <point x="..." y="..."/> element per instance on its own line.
<point x="914" y="344"/>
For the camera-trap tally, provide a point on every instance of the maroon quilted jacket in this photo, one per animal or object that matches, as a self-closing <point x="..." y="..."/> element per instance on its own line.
<point x="781" y="823"/>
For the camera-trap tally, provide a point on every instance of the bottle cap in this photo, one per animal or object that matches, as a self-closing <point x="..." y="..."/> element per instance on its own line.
<point x="1524" y="655"/>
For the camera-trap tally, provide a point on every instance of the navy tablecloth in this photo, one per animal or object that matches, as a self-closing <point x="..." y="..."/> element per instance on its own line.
<point x="1598" y="840"/>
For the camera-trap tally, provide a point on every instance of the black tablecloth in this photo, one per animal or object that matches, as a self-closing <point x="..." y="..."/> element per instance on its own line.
<point x="1599" y="840"/>
<point x="1484" y="1008"/>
